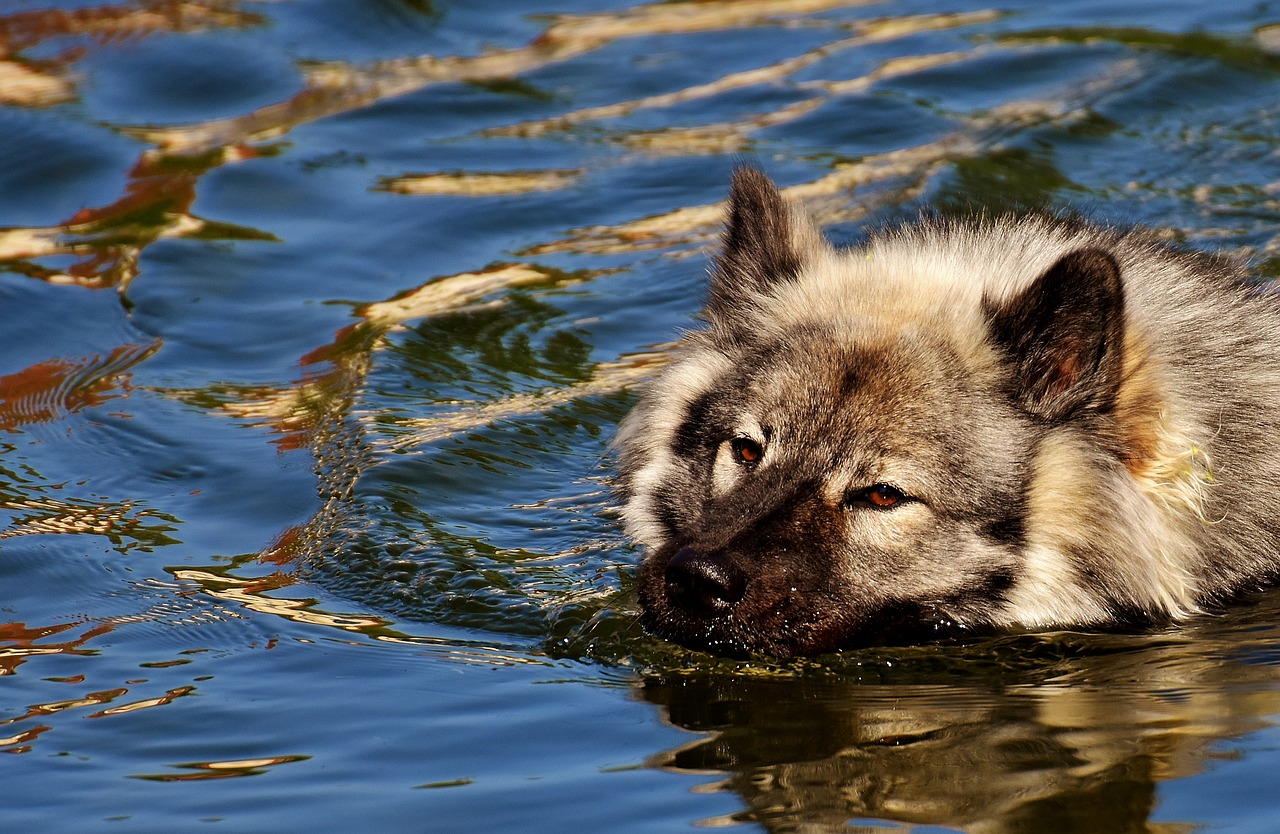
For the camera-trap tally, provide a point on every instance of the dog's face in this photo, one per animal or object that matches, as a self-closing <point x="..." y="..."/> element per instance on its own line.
<point x="828" y="494"/>
<point x="809" y="476"/>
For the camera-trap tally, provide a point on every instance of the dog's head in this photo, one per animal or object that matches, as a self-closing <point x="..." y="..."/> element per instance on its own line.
<point x="843" y="455"/>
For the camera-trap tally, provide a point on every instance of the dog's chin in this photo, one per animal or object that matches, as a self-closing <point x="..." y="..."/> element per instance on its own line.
<point x="720" y="638"/>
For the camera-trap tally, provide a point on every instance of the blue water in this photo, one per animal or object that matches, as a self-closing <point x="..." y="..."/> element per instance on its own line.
<point x="319" y="317"/>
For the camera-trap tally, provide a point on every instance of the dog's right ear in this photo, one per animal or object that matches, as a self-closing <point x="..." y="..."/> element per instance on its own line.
<point x="765" y="242"/>
<point x="1064" y="334"/>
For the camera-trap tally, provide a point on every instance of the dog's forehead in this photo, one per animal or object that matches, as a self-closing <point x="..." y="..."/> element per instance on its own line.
<point x="824" y="391"/>
<point x="824" y="369"/>
<point x="903" y="409"/>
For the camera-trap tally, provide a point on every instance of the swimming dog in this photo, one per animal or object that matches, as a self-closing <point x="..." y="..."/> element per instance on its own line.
<point x="1017" y="422"/>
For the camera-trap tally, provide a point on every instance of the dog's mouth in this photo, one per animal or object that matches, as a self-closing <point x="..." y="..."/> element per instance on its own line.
<point x="708" y="602"/>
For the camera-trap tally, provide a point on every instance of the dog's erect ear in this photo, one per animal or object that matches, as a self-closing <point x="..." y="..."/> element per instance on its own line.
<point x="1064" y="335"/>
<point x="764" y="242"/>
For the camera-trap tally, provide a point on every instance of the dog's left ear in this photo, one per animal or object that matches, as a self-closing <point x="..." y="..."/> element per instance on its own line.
<point x="1064" y="335"/>
<point x="765" y="241"/>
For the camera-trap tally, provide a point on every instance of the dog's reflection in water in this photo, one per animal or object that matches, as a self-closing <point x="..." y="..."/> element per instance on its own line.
<point x="1049" y="733"/>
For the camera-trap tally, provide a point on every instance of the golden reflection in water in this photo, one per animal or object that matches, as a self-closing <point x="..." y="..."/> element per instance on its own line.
<point x="252" y="595"/>
<point x="146" y="703"/>
<point x="221" y="769"/>
<point x="338" y="87"/>
<point x="305" y="412"/>
<point x="607" y="378"/>
<point x="18" y="641"/>
<point x="43" y="82"/>
<point x="1079" y="740"/>
<point x="882" y="179"/>
<point x="313" y="413"/>
<point x="21" y="742"/>
<point x="162" y="185"/>
<point x="670" y="18"/>
<point x="110" y="239"/>
<point x="54" y="388"/>
<point x="868" y="32"/>
<point x="481" y="184"/>
<point x="121" y="523"/>
<point x="50" y="391"/>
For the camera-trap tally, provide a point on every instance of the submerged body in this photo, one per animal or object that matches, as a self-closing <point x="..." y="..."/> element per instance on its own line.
<point x="1019" y="423"/>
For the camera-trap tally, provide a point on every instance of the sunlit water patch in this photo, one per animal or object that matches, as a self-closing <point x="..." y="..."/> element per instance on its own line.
<point x="320" y="318"/>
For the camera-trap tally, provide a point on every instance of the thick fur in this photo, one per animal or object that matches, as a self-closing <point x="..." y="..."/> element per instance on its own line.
<point x="1011" y="423"/>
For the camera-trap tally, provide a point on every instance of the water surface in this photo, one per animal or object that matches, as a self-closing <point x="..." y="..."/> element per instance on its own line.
<point x="319" y="317"/>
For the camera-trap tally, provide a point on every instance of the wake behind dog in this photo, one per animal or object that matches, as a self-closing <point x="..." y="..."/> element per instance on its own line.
<point x="1016" y="423"/>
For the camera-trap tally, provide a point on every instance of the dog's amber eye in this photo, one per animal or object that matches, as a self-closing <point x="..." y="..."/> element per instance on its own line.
<point x="883" y="495"/>
<point x="878" y="496"/>
<point x="746" y="451"/>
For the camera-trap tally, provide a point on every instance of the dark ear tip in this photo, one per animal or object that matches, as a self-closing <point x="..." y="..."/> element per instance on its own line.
<point x="1100" y="264"/>
<point x="750" y="174"/>
<point x="751" y="184"/>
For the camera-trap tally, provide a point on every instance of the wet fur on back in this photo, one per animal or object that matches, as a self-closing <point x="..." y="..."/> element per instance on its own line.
<point x="1016" y="422"/>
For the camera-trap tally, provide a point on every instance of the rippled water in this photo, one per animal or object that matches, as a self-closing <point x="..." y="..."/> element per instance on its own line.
<point x="319" y="317"/>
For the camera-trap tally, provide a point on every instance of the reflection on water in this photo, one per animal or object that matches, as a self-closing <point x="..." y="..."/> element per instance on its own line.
<point x="21" y="642"/>
<point x="50" y="80"/>
<point x="1027" y="734"/>
<point x="368" y="325"/>
<point x="221" y="770"/>
<point x="50" y="390"/>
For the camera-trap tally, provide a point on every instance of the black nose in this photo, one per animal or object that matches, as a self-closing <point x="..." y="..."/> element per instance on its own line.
<point x="704" y="584"/>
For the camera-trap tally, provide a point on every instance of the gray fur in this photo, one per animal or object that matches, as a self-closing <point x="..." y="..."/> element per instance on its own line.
<point x="1012" y="423"/>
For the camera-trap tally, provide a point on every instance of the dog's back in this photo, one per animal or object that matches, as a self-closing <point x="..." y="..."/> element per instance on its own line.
<point x="1018" y="422"/>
